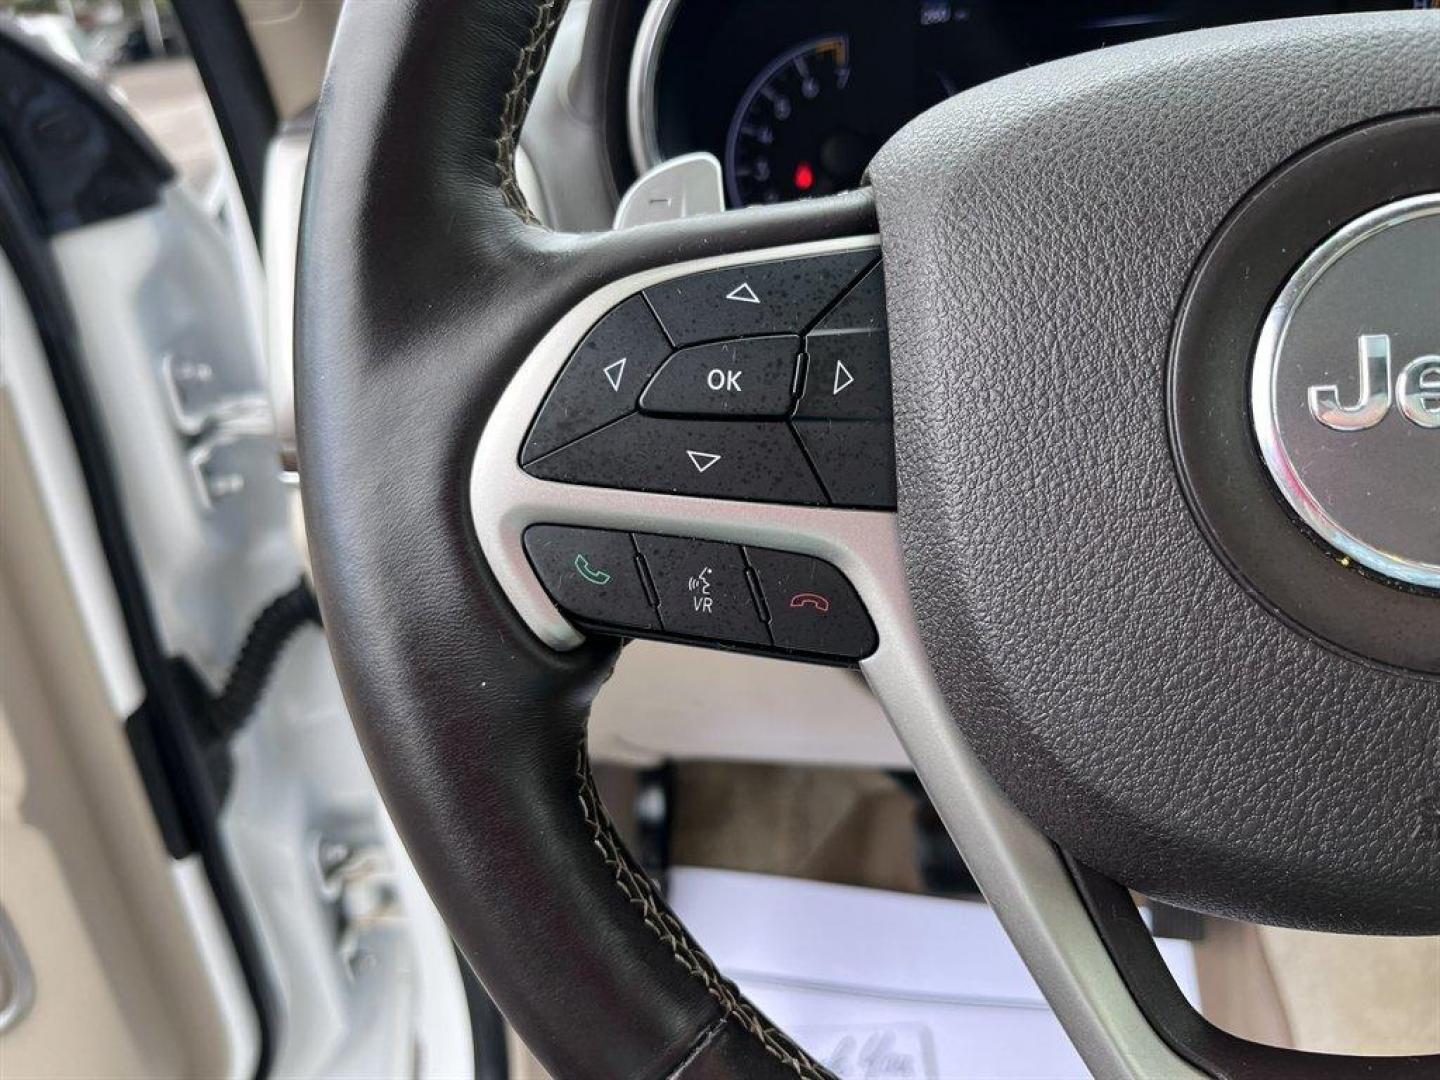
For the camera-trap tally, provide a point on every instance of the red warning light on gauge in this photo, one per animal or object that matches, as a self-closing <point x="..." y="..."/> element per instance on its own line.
<point x="804" y="176"/>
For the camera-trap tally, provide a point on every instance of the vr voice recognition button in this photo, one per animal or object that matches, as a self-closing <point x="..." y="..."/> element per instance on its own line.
<point x="703" y="589"/>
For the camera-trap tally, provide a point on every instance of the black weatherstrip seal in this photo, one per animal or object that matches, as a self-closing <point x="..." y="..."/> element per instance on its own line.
<point x="239" y="95"/>
<point x="188" y="808"/>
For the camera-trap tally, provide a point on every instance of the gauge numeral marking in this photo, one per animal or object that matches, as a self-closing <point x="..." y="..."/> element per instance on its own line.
<point x="788" y="137"/>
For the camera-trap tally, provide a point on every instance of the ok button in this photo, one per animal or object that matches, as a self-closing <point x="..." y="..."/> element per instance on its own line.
<point x="751" y="377"/>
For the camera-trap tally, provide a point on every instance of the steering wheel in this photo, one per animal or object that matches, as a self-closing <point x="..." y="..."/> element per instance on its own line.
<point x="1089" y="485"/>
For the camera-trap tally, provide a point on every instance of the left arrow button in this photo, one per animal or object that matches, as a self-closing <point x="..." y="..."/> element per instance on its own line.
<point x="615" y="373"/>
<point x="602" y="380"/>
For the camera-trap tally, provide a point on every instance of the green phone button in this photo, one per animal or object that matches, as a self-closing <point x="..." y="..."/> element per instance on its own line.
<point x="592" y="574"/>
<point x="589" y="573"/>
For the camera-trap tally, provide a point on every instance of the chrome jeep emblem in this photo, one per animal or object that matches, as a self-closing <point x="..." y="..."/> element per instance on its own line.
<point x="1417" y="390"/>
<point x="1345" y="391"/>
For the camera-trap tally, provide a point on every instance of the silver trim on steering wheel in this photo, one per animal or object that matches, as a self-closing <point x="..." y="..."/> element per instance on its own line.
<point x="1018" y="869"/>
<point x="640" y="92"/>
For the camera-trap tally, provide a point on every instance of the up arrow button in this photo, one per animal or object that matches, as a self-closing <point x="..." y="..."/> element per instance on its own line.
<point x="757" y="299"/>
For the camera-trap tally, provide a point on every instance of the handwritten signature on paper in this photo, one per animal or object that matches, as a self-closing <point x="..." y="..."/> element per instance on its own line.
<point x="897" y="1053"/>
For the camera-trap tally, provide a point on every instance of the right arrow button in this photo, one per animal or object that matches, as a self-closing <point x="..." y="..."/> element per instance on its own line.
<point x="849" y="358"/>
<point x="844" y="414"/>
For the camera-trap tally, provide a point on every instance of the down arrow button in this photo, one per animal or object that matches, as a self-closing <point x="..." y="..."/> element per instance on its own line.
<point x="732" y="459"/>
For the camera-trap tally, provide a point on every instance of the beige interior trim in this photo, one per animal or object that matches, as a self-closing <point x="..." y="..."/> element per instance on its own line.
<point x="1347" y="994"/>
<point x="292" y="39"/>
<point x="132" y="976"/>
<point x="1237" y="987"/>
<point x="523" y="1065"/>
<point x="676" y="702"/>
<point x="1325" y="993"/>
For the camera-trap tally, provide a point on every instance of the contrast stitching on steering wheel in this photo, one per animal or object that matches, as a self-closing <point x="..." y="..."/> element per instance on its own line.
<point x="632" y="881"/>
<point x="640" y="891"/>
<point x="528" y="66"/>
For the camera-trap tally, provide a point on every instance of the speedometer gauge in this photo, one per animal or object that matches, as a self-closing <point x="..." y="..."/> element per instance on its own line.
<point x="789" y="137"/>
<point x="796" y="97"/>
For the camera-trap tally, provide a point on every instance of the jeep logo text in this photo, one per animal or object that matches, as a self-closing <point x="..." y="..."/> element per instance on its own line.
<point x="1416" y="390"/>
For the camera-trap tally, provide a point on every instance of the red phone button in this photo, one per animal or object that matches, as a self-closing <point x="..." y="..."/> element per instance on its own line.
<point x="813" y="608"/>
<point x="813" y="601"/>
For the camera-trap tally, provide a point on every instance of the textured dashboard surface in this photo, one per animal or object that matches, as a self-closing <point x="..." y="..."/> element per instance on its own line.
<point x="1125" y="690"/>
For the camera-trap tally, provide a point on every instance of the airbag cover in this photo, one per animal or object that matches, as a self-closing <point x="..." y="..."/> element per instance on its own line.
<point x="1124" y="688"/>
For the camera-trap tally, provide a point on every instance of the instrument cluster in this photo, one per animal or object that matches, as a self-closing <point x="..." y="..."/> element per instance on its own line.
<point x="795" y="96"/>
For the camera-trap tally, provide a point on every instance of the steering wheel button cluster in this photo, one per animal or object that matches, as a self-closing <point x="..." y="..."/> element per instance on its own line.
<point x="738" y="459"/>
<point x="703" y="589"/>
<point x="602" y="380"/>
<point x="782" y="297"/>
<point x="592" y="573"/>
<point x="744" y="377"/>
<point x="770" y="382"/>
<point x="812" y="607"/>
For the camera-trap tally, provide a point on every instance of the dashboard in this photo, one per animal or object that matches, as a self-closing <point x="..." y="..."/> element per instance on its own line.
<point x="795" y="96"/>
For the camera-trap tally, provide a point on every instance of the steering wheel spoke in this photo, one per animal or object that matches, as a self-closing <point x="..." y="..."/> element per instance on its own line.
<point x="538" y="535"/>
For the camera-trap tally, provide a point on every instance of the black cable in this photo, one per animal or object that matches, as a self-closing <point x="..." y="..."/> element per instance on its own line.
<point x="269" y="634"/>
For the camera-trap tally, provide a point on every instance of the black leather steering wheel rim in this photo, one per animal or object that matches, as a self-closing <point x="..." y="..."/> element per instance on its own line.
<point x="476" y="733"/>
<point x="424" y="286"/>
